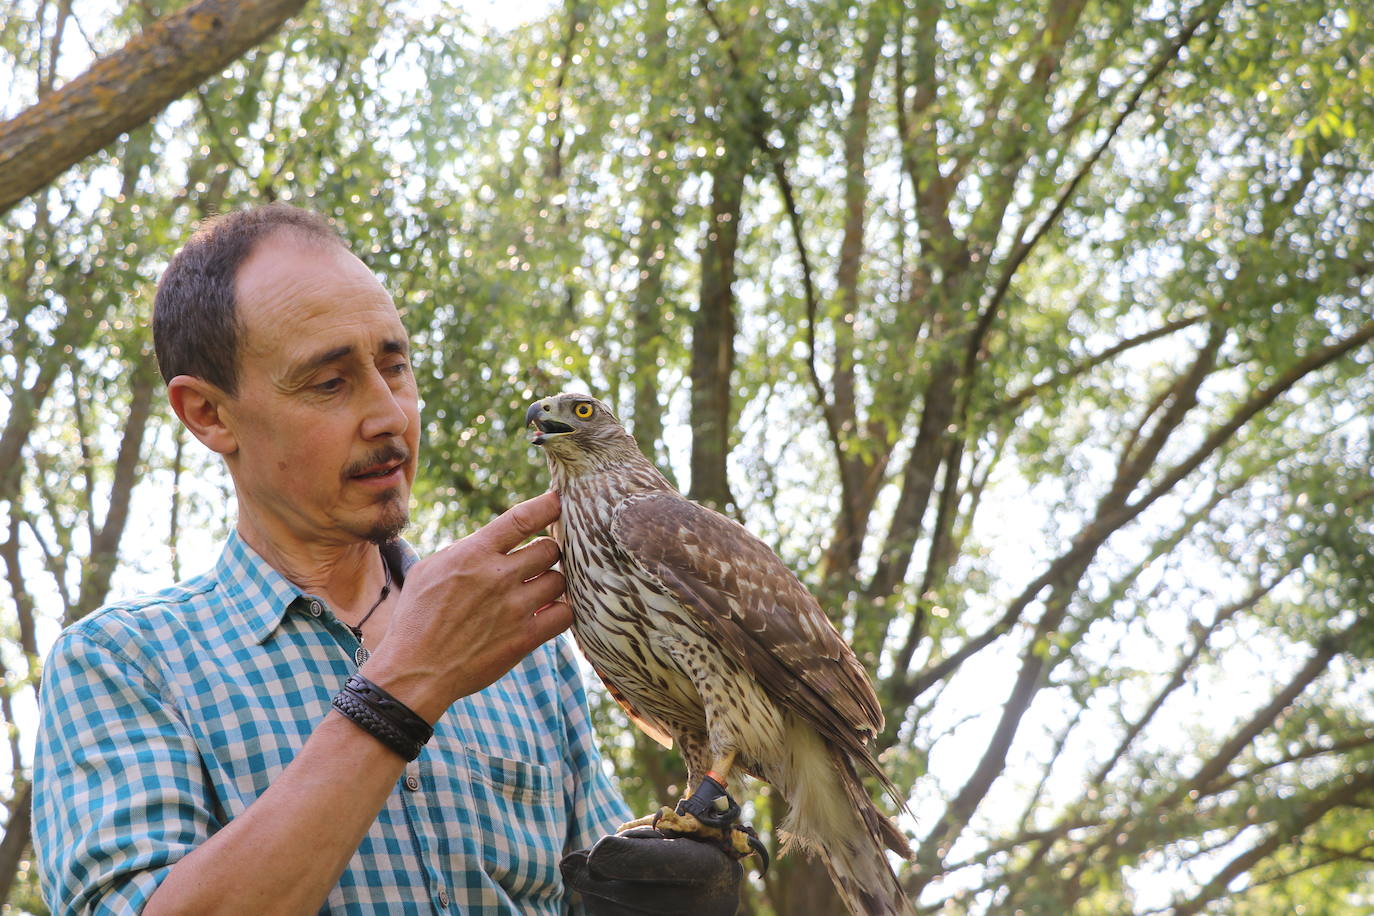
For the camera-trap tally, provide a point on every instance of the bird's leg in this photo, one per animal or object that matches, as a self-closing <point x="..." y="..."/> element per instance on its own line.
<point x="710" y="813"/>
<point x="697" y="757"/>
<point x="711" y="803"/>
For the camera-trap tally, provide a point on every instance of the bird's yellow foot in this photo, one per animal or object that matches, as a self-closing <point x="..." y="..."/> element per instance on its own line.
<point x="711" y="816"/>
<point x="739" y="840"/>
<point x="645" y="821"/>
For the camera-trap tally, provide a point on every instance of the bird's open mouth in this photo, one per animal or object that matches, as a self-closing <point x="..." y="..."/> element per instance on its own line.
<point x="543" y="428"/>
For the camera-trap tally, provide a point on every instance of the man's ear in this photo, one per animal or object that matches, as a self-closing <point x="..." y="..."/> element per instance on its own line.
<point x="200" y="404"/>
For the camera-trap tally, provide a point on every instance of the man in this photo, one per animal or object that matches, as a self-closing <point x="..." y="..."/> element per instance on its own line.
<point x="243" y="742"/>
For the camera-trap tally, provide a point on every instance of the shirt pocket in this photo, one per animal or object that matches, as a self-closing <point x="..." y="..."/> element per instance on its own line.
<point x="523" y="828"/>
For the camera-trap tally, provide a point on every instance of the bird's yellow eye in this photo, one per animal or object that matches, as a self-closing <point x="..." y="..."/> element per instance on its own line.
<point x="583" y="410"/>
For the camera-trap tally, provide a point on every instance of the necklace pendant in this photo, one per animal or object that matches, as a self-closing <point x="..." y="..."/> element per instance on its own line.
<point x="361" y="655"/>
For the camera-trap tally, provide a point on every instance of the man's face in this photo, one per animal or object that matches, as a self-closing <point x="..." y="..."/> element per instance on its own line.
<point x="326" y="419"/>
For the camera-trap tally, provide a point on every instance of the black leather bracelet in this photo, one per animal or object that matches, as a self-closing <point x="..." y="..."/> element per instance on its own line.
<point x="383" y="717"/>
<point x="401" y="715"/>
<point x="376" y="725"/>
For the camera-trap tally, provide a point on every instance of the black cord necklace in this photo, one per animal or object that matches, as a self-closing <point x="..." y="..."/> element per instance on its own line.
<point x="362" y="654"/>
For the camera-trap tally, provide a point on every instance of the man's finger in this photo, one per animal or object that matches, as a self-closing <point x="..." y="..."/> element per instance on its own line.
<point x="543" y="588"/>
<point x="535" y="557"/>
<point x="520" y="522"/>
<point x="551" y="620"/>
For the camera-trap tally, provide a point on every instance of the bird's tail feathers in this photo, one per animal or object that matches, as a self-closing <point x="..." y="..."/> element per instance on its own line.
<point x="866" y="883"/>
<point x="831" y="815"/>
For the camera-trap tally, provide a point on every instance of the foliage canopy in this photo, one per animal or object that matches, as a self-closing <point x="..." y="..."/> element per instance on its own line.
<point x="1035" y="336"/>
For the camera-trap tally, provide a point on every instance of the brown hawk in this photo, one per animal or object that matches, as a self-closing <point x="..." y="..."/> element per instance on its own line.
<point x="706" y="638"/>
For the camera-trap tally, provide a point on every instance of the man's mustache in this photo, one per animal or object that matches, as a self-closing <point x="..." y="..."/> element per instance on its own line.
<point x="384" y="456"/>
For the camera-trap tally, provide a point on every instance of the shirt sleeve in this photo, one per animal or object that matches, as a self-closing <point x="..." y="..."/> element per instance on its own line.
<point x="119" y="790"/>
<point x="596" y="805"/>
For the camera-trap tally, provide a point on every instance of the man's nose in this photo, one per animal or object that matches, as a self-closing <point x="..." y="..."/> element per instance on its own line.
<point x="385" y="414"/>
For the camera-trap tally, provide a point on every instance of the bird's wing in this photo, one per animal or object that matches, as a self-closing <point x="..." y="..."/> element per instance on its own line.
<point x="756" y="610"/>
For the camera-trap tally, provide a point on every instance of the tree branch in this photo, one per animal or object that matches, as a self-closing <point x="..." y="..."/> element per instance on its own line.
<point x="1026" y="246"/>
<point x="129" y="87"/>
<point x="1096" y="532"/>
<point x="1011" y="404"/>
<point x="1350" y="791"/>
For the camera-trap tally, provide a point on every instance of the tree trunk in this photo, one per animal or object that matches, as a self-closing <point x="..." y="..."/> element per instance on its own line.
<point x="860" y="464"/>
<point x="657" y="228"/>
<point x="128" y="88"/>
<point x="647" y="318"/>
<point x="713" y="335"/>
<point x="804" y="888"/>
<point x="918" y="482"/>
<point x="100" y="565"/>
<point x="16" y="840"/>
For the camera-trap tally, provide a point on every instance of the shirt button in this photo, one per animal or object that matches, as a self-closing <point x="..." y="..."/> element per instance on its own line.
<point x="412" y="783"/>
<point x="443" y="898"/>
<point x="316" y="609"/>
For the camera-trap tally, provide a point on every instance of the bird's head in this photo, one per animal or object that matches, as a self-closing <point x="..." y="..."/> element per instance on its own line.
<point x="577" y="429"/>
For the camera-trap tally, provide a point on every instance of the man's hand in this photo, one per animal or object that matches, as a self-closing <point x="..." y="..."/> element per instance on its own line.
<point x="640" y="872"/>
<point x="473" y="610"/>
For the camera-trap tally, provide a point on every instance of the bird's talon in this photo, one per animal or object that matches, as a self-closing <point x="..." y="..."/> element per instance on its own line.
<point x="648" y="820"/>
<point x="749" y="838"/>
<point x="710" y="815"/>
<point x="739" y="841"/>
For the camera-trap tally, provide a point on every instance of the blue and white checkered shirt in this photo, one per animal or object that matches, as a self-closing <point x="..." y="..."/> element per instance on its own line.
<point x="165" y="716"/>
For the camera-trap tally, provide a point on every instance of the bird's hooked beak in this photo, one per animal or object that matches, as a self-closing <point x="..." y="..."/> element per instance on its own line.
<point x="544" y="426"/>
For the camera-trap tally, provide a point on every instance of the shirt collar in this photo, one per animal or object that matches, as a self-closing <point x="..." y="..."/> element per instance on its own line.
<point x="260" y="596"/>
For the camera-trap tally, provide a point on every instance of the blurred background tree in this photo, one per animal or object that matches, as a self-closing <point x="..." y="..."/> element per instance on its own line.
<point x="1035" y="336"/>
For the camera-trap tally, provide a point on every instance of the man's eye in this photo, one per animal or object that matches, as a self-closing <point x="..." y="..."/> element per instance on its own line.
<point x="330" y="386"/>
<point x="398" y="369"/>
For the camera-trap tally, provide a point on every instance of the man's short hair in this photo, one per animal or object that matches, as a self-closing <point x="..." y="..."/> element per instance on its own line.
<point x="196" y="329"/>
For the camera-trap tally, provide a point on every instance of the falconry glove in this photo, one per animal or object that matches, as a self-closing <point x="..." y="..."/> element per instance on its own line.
<point x="643" y="873"/>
